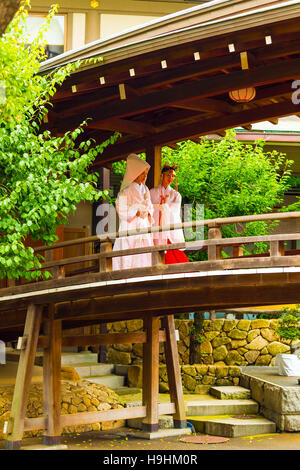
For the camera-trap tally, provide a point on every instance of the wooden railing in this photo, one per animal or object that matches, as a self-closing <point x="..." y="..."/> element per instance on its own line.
<point x="102" y="261"/>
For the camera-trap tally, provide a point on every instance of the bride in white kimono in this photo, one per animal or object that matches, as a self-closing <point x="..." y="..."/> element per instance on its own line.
<point x="167" y="211"/>
<point x="135" y="211"/>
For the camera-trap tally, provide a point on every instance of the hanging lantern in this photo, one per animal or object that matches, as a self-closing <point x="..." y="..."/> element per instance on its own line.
<point x="243" y="95"/>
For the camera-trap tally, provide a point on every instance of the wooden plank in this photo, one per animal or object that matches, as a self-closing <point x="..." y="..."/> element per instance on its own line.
<point x="123" y="125"/>
<point x="23" y="379"/>
<point x="173" y="369"/>
<point x="151" y="373"/>
<point x="277" y="248"/>
<point x="101" y="416"/>
<point x="109" y="338"/>
<point x="32" y="424"/>
<point x="51" y="379"/>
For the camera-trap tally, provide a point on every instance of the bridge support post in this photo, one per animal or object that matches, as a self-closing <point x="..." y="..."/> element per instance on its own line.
<point x="151" y="373"/>
<point x="173" y="370"/>
<point x="51" y="381"/>
<point x="23" y="379"/>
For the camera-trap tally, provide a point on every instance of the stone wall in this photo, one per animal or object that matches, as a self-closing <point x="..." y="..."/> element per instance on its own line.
<point x="196" y="378"/>
<point x="221" y="342"/>
<point x="76" y="397"/>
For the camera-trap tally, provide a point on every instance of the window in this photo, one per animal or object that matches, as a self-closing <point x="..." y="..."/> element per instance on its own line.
<point x="55" y="36"/>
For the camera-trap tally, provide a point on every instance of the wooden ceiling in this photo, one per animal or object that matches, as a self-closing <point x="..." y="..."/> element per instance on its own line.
<point x="175" y="86"/>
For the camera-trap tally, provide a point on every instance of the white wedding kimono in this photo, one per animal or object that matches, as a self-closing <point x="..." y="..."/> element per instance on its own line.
<point x="166" y="214"/>
<point x="134" y="198"/>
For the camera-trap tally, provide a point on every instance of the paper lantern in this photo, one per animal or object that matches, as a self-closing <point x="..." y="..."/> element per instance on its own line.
<point x="243" y="95"/>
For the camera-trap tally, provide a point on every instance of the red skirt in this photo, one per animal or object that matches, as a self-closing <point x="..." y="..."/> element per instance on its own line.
<point x="175" y="256"/>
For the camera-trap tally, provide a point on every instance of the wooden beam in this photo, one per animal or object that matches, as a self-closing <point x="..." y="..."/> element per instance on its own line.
<point x="123" y="125"/>
<point x="202" y="88"/>
<point x="202" y="127"/>
<point x="109" y="338"/>
<point x="208" y="104"/>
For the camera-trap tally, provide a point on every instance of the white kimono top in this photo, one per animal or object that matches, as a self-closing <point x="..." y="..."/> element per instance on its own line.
<point x="167" y="211"/>
<point x="134" y="198"/>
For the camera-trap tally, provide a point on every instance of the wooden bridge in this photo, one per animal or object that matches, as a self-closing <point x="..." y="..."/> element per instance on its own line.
<point x="37" y="313"/>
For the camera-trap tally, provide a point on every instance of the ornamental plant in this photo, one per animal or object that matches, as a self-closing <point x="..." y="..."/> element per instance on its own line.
<point x="42" y="177"/>
<point x="289" y="324"/>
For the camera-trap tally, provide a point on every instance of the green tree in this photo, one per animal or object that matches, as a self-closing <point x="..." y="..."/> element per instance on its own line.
<point x="42" y="177"/>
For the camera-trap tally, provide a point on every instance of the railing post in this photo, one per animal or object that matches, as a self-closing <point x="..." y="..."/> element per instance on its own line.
<point x="277" y="248"/>
<point x="214" y="251"/>
<point x="238" y="251"/>
<point x="58" y="272"/>
<point x="105" y="264"/>
<point x="158" y="258"/>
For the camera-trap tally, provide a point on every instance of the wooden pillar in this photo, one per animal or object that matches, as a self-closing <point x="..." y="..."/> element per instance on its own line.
<point x="153" y="157"/>
<point x="151" y="372"/>
<point x="92" y="26"/>
<point x="52" y="377"/>
<point x="23" y="379"/>
<point x="173" y="370"/>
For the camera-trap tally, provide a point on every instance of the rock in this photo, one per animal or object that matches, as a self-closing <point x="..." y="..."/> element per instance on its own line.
<point x="277" y="348"/>
<point x="252" y="334"/>
<point x="269" y="334"/>
<point x="251" y="356"/>
<point x="229" y="324"/>
<point x="135" y="376"/>
<point x="204" y="348"/>
<point x="189" y="370"/>
<point x="264" y="351"/>
<point x="234" y="371"/>
<point x="222" y="382"/>
<point x="163" y="387"/>
<point x="123" y="347"/>
<point x="233" y="357"/>
<point x="237" y="334"/>
<point x="219" y="341"/>
<point x="260" y="323"/>
<point x="211" y="335"/>
<point x="69" y="373"/>
<point x="238" y="343"/>
<point x="264" y="360"/>
<point x="137" y="349"/>
<point x="134" y="325"/>
<point x="258" y="343"/>
<point x="189" y="382"/>
<point x="208" y="380"/>
<point x="244" y="325"/>
<point x="242" y="351"/>
<point x="118" y="357"/>
<point x="201" y="369"/>
<point x="222" y="371"/>
<point x="220" y="353"/>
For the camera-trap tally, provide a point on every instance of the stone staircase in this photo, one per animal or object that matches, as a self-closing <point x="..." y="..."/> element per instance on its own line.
<point x="229" y="413"/>
<point x="87" y="367"/>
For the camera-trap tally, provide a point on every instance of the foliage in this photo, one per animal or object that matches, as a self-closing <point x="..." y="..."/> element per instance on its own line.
<point x="42" y="177"/>
<point x="289" y="326"/>
<point x="229" y="178"/>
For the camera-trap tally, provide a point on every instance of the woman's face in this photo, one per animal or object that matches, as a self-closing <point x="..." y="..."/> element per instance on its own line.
<point x="142" y="177"/>
<point x="168" y="177"/>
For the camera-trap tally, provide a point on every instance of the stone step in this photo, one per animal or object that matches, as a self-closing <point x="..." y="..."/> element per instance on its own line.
<point x="69" y="358"/>
<point x="88" y="369"/>
<point x="229" y="426"/>
<point x="230" y="393"/>
<point x="110" y="380"/>
<point x="221" y="407"/>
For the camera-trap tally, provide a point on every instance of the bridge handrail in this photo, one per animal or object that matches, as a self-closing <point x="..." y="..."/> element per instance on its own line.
<point x="183" y="225"/>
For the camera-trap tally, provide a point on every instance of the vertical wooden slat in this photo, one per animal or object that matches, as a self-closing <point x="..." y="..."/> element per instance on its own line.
<point x="158" y="258"/>
<point x="173" y="370"/>
<point x="23" y="379"/>
<point x="52" y="384"/>
<point x="153" y="157"/>
<point x="277" y="248"/>
<point x="105" y="264"/>
<point x="214" y="252"/>
<point x="151" y="373"/>
<point x="238" y="251"/>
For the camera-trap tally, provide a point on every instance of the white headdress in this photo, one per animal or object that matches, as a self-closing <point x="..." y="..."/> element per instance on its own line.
<point x="134" y="167"/>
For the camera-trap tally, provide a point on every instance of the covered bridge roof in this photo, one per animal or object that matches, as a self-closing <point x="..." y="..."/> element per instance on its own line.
<point x="168" y="80"/>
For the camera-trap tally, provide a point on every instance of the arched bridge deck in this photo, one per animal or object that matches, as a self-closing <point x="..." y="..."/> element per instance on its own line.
<point x="37" y="312"/>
